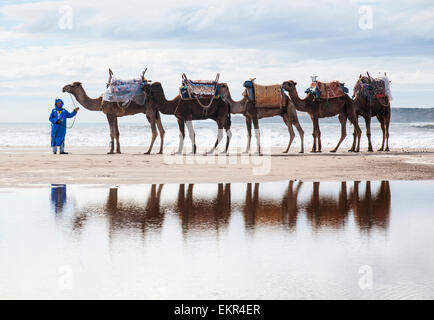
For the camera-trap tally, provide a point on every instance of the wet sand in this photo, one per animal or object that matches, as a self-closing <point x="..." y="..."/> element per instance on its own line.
<point x="21" y="166"/>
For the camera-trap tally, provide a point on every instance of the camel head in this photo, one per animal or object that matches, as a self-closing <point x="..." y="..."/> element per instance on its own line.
<point x="224" y="91"/>
<point x="289" y="85"/>
<point x="71" y="88"/>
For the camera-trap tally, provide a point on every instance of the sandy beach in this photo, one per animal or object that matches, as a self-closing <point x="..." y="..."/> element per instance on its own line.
<point x="31" y="166"/>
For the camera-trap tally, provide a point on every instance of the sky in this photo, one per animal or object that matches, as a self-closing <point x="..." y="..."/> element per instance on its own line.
<point x="45" y="45"/>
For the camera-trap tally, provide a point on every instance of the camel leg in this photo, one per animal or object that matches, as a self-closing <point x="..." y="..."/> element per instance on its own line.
<point x="343" y="121"/>
<point x="228" y="137"/>
<point x="386" y="127"/>
<point x="110" y="119"/>
<point x="353" y="146"/>
<point x="257" y="135"/>
<point x="192" y="135"/>
<point x="154" y="134"/>
<point x="354" y="120"/>
<point x="219" y="138"/>
<point x="383" y="129"/>
<point x="316" y="136"/>
<point x="314" y="128"/>
<point x="290" y="130"/>
<point x="181" y="136"/>
<point x="368" y="132"/>
<point x="301" y="133"/>
<point x="162" y="132"/>
<point x="118" y="144"/>
<point x="249" y="133"/>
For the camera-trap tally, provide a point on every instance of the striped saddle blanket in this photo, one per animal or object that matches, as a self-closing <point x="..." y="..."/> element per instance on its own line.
<point x="327" y="90"/>
<point x="199" y="88"/>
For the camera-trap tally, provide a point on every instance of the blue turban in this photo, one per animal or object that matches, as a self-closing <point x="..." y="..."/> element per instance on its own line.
<point x="58" y="100"/>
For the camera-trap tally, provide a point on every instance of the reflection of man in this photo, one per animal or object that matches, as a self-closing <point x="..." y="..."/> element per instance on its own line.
<point x="58" y="197"/>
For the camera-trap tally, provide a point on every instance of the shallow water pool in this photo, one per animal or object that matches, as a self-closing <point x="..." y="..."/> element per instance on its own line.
<point x="277" y="240"/>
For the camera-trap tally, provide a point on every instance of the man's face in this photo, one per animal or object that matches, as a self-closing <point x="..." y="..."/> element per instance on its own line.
<point x="59" y="105"/>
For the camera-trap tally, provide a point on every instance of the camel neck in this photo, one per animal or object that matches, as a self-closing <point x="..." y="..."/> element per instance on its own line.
<point x="299" y="104"/>
<point x="236" y="106"/>
<point x="165" y="106"/>
<point x="85" y="101"/>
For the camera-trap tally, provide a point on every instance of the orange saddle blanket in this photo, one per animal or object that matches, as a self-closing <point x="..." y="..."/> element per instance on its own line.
<point x="328" y="90"/>
<point x="268" y="96"/>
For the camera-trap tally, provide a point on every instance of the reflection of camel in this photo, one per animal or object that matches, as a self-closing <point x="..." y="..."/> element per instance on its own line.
<point x="203" y="213"/>
<point x="371" y="211"/>
<point x="213" y="213"/>
<point x="271" y="212"/>
<point x="58" y="197"/>
<point x="129" y="214"/>
<point x="326" y="211"/>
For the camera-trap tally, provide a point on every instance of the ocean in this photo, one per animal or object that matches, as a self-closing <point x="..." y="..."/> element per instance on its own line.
<point x="273" y="134"/>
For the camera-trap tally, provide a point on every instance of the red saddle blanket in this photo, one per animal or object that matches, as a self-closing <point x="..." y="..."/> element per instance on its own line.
<point x="328" y="90"/>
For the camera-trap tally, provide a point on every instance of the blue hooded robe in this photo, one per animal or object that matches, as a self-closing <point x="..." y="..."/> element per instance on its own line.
<point x="58" y="131"/>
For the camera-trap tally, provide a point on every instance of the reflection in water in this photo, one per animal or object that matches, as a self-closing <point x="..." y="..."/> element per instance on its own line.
<point x="212" y="211"/>
<point x="273" y="240"/>
<point x="371" y="211"/>
<point x="58" y="197"/>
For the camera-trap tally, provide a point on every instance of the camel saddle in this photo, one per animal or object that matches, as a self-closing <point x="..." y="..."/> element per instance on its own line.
<point x="125" y="91"/>
<point x="200" y="89"/>
<point x="270" y="96"/>
<point x="327" y="90"/>
<point x="376" y="88"/>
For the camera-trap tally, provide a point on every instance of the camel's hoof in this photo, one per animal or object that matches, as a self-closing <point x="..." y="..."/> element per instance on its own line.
<point x="380" y="150"/>
<point x="161" y="152"/>
<point x="147" y="152"/>
<point x="387" y="150"/>
<point x="258" y="154"/>
<point x="333" y="151"/>
<point x="111" y="152"/>
<point x="370" y="150"/>
<point x="351" y="150"/>
<point x="176" y="153"/>
<point x="302" y="151"/>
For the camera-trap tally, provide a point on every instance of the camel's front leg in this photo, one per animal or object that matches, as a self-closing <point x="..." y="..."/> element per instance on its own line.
<point x="257" y="135"/>
<point x="386" y="124"/>
<point x="343" y="121"/>
<point x="162" y="132"/>
<point x="110" y="119"/>
<point x="249" y="133"/>
<point x="301" y="133"/>
<point x="290" y="130"/>
<point x="368" y="132"/>
<point x="118" y="144"/>
<point x="154" y="134"/>
<point x="181" y="136"/>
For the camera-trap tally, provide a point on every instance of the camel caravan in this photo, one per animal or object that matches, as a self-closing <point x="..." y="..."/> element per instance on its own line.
<point x="211" y="99"/>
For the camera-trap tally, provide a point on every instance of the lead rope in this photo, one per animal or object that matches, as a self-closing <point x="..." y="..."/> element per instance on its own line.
<point x="75" y="117"/>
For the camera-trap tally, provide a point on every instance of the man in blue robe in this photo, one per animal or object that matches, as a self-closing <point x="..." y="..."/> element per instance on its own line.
<point x="58" y="118"/>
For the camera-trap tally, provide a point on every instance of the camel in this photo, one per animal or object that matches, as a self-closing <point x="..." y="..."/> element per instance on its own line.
<point x="188" y="110"/>
<point x="251" y="113"/>
<point x="378" y="107"/>
<point x="341" y="106"/>
<point x="114" y="110"/>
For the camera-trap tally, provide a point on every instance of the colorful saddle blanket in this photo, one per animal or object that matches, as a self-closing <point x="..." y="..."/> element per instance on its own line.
<point x="125" y="90"/>
<point x="199" y="89"/>
<point x="377" y="88"/>
<point x="270" y="96"/>
<point x="327" y="90"/>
